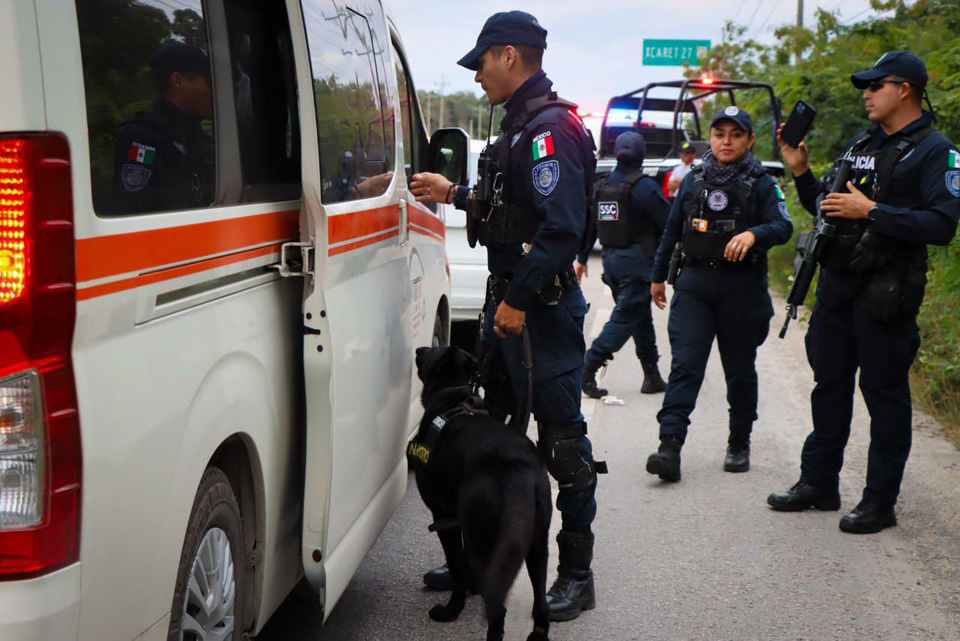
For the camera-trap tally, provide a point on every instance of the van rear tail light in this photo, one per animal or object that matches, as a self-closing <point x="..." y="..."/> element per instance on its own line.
<point x="666" y="183"/>
<point x="40" y="458"/>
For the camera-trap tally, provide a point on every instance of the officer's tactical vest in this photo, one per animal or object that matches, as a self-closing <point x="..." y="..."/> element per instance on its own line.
<point x="619" y="223"/>
<point x="511" y="222"/>
<point x="894" y="270"/>
<point x="715" y="215"/>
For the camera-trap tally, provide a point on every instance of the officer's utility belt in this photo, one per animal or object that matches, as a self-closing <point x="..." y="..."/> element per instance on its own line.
<point x="755" y="261"/>
<point x="550" y="294"/>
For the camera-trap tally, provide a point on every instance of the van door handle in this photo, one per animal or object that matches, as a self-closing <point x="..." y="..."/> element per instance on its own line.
<point x="404" y="223"/>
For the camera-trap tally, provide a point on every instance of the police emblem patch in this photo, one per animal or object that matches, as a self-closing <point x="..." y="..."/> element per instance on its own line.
<point x="718" y="200"/>
<point x="731" y="111"/>
<point x="545" y="176"/>
<point x="134" y="177"/>
<point x="953" y="182"/>
<point x="608" y="211"/>
<point x="783" y="208"/>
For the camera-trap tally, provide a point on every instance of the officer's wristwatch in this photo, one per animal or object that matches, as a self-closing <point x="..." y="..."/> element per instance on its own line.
<point x="872" y="214"/>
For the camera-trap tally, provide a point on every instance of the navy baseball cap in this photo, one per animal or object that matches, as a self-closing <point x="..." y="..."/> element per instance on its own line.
<point x="737" y="115"/>
<point x="687" y="148"/>
<point x="506" y="28"/>
<point x="177" y="56"/>
<point x="894" y="63"/>
<point x="630" y="147"/>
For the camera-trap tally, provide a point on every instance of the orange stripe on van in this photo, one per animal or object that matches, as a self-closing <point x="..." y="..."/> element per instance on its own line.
<point x="174" y="272"/>
<point x="427" y="219"/>
<point x="107" y="256"/>
<point x="346" y="227"/>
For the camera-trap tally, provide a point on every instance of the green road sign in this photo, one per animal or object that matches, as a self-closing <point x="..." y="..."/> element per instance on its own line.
<point x="674" y="53"/>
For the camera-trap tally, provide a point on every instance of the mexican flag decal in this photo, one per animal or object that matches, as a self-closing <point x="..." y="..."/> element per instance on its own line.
<point x="543" y="146"/>
<point x="142" y="154"/>
<point x="954" y="160"/>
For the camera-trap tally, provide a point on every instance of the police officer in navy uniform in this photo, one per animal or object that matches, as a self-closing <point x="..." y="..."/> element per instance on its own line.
<point x="631" y="212"/>
<point x="726" y="216"/>
<point x="532" y="237"/>
<point x="165" y="159"/>
<point x="904" y="195"/>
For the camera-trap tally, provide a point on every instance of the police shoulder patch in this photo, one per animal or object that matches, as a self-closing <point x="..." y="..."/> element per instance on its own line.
<point x="953" y="182"/>
<point x="546" y="175"/>
<point x="134" y="177"/>
<point x="782" y="205"/>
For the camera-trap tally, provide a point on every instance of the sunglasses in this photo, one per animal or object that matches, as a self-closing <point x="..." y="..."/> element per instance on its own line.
<point x="874" y="87"/>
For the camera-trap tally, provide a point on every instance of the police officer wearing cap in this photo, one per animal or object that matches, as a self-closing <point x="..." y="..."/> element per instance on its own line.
<point x="532" y="233"/>
<point x="631" y="214"/>
<point x="726" y="216"/>
<point x="903" y="196"/>
<point x="688" y="153"/>
<point x="165" y="159"/>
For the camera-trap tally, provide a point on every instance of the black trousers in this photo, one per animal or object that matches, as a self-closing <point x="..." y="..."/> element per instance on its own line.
<point x="839" y="343"/>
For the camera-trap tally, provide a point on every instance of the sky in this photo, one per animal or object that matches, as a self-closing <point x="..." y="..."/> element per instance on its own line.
<point x="594" y="47"/>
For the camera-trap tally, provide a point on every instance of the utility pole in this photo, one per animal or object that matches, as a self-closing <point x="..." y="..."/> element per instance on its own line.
<point x="443" y="87"/>
<point x="799" y="31"/>
<point x="429" y="109"/>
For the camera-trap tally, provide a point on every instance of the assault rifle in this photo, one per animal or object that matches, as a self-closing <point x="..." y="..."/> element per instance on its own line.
<point x="810" y="248"/>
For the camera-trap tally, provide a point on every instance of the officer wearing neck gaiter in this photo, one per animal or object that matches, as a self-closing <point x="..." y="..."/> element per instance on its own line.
<point x="726" y="216"/>
<point x="904" y="195"/>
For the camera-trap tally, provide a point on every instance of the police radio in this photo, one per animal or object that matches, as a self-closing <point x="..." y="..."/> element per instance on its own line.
<point x="488" y="191"/>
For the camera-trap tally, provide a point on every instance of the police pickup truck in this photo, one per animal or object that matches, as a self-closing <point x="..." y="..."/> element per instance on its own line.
<point x="626" y="113"/>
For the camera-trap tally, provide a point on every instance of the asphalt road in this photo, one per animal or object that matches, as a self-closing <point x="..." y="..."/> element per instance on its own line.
<point x="705" y="558"/>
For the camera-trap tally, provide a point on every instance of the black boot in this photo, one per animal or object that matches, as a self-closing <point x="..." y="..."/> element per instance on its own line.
<point x="738" y="456"/>
<point x="666" y="460"/>
<point x="869" y="518"/>
<point x="652" y="381"/>
<point x="590" y="387"/>
<point x="572" y="592"/>
<point x="803" y="497"/>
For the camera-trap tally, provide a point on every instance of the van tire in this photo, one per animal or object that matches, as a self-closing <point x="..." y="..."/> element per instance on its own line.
<point x="215" y="513"/>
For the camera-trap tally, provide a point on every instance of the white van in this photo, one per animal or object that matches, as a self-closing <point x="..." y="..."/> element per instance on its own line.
<point x="212" y="284"/>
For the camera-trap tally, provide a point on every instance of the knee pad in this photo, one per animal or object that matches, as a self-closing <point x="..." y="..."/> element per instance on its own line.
<point x="573" y="470"/>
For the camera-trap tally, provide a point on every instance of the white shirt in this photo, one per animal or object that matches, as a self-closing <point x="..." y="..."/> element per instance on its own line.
<point x="680" y="171"/>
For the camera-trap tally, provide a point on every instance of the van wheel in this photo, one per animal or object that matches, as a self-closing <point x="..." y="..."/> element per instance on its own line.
<point x="439" y="333"/>
<point x="207" y="600"/>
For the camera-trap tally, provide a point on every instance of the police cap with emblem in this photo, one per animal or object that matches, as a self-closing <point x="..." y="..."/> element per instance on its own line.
<point x="737" y="115"/>
<point x="177" y="56"/>
<point x="687" y="148"/>
<point x="894" y="63"/>
<point x="506" y="28"/>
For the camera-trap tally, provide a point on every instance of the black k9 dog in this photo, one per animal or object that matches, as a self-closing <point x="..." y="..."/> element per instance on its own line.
<point x="487" y="489"/>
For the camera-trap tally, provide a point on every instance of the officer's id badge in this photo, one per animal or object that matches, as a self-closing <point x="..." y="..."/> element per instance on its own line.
<point x="142" y="154"/>
<point x="718" y="200"/>
<point x="134" y="177"/>
<point x="608" y="211"/>
<point x="543" y="146"/>
<point x="953" y="182"/>
<point x="546" y="175"/>
<point x="699" y="224"/>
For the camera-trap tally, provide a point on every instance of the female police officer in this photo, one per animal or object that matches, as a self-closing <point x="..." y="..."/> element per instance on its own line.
<point x="726" y="216"/>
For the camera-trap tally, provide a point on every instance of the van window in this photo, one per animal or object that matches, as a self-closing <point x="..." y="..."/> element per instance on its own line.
<point x="147" y="78"/>
<point x="265" y="95"/>
<point x="414" y="136"/>
<point x="354" y="106"/>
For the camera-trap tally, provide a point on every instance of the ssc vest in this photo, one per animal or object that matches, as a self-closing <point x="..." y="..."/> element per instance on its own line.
<point x="620" y="224"/>
<point x="715" y="215"/>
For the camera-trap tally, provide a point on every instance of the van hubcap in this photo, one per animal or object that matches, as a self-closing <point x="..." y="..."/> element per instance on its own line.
<point x="208" y="605"/>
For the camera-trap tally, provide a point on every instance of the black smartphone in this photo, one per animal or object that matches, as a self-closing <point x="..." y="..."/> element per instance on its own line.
<point x="798" y="124"/>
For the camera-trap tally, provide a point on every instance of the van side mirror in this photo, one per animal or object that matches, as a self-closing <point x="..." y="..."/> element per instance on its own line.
<point x="449" y="153"/>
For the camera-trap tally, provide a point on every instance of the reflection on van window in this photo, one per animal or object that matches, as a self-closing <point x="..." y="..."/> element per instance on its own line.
<point x="149" y="97"/>
<point x="354" y="106"/>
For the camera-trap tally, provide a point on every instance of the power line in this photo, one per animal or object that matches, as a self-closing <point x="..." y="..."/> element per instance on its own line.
<point x="739" y="9"/>
<point x="769" y="15"/>
<point x="854" y="17"/>
<point x="754" y="15"/>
